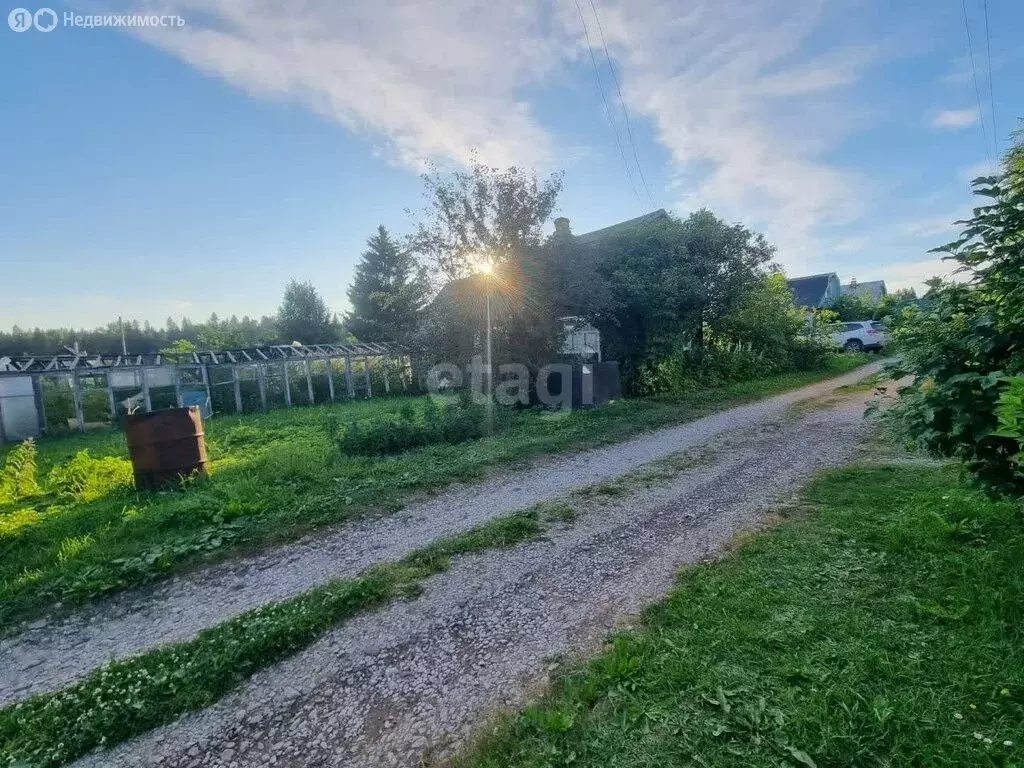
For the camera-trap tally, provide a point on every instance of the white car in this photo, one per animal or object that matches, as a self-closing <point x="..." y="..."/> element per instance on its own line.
<point x="860" y="335"/>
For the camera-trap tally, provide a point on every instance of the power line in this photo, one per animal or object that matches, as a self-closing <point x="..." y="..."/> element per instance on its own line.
<point x="622" y="101"/>
<point x="974" y="74"/>
<point x="991" y="88"/>
<point x="608" y="109"/>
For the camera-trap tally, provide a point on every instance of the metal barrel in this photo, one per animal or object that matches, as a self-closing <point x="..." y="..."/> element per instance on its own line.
<point x="165" y="445"/>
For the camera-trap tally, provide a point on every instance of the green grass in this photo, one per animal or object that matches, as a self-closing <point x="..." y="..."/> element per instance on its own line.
<point x="130" y="696"/>
<point x="275" y="477"/>
<point x="881" y="626"/>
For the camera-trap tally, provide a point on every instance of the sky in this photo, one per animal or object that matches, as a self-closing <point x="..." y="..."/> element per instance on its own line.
<point x="151" y="172"/>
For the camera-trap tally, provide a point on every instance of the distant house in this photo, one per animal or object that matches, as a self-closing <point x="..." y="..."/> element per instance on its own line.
<point x="873" y="290"/>
<point x="816" y="290"/>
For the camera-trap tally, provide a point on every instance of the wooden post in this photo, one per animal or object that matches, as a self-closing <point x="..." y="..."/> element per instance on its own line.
<point x="261" y="382"/>
<point x="309" y="380"/>
<point x="37" y="395"/>
<point x="145" y="390"/>
<point x="238" y="388"/>
<point x="77" y="391"/>
<point x="348" y="376"/>
<point x="177" y="386"/>
<point x="387" y="380"/>
<point x="206" y="385"/>
<point x="287" y="386"/>
<point x="330" y="377"/>
<point x="369" y="387"/>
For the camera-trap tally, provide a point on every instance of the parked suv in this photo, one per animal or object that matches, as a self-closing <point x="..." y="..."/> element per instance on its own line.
<point x="861" y="335"/>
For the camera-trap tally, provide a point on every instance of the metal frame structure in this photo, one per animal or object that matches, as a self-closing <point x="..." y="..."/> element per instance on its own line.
<point x="202" y="364"/>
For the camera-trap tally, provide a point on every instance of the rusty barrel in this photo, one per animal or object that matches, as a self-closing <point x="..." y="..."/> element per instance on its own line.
<point x="165" y="445"/>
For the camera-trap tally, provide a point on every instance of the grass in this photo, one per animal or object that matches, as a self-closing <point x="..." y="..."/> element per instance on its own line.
<point x="275" y="477"/>
<point x="133" y="695"/>
<point x="882" y="625"/>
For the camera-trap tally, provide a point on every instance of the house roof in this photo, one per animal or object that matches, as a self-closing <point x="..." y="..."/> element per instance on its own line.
<point x="870" y="289"/>
<point x="810" y="290"/>
<point x="623" y="226"/>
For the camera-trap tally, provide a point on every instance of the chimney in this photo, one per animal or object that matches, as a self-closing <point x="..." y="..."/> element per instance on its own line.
<point x="562" y="227"/>
<point x="853" y="282"/>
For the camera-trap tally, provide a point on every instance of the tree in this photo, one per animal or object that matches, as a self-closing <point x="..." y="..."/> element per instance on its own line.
<point x="673" y="281"/>
<point x="304" y="315"/>
<point x="388" y="292"/>
<point x="486" y="214"/>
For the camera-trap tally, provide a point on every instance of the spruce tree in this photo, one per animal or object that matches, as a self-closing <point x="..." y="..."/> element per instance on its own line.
<point x="387" y="293"/>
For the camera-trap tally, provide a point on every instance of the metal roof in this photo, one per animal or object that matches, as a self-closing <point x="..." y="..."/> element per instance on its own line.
<point x="19" y="365"/>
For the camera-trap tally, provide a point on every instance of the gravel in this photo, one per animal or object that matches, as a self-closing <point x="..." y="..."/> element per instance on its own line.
<point x="48" y="654"/>
<point x="410" y="681"/>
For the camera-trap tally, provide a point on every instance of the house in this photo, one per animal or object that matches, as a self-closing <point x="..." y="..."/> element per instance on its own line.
<point x="590" y="238"/>
<point x="816" y="290"/>
<point x="873" y="290"/>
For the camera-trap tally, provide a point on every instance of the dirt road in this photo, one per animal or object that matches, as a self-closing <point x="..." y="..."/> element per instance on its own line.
<point x="412" y="679"/>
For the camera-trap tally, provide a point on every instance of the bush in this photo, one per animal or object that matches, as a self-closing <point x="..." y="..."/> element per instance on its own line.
<point x="965" y="344"/>
<point x="455" y="423"/>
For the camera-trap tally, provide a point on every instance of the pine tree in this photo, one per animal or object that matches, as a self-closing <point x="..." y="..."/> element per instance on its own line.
<point x="388" y="292"/>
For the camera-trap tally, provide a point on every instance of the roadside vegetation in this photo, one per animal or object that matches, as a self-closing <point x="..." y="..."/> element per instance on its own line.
<point x="881" y="624"/>
<point x="72" y="527"/>
<point x="964" y="347"/>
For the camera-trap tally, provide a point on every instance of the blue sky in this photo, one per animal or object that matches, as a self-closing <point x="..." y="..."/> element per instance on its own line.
<point x="171" y="171"/>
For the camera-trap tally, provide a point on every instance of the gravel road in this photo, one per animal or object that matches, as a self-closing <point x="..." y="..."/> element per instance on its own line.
<point x="47" y="655"/>
<point x="411" y="680"/>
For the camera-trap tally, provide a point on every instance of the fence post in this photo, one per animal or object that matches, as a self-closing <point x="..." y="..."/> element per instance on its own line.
<point x="366" y="367"/>
<point x="261" y="382"/>
<point x="238" y="388"/>
<point x="330" y="377"/>
<point x="77" y="390"/>
<point x="37" y="394"/>
<point x="287" y="385"/>
<point x="348" y="376"/>
<point x="309" y="379"/>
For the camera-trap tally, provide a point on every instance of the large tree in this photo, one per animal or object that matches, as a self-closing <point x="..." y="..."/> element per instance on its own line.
<point x="304" y="315"/>
<point x="673" y="279"/>
<point x="483" y="215"/>
<point x="388" y="292"/>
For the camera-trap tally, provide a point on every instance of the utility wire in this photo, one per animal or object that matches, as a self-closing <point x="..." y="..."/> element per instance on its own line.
<point x="991" y="88"/>
<point x="974" y="74"/>
<point x="622" y="101"/>
<point x="608" y="109"/>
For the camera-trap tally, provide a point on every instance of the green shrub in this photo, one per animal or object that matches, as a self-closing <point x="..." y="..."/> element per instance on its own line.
<point x="455" y="423"/>
<point x="967" y="341"/>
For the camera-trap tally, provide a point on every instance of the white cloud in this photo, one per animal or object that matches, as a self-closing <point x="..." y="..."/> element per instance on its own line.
<point x="955" y="119"/>
<point x="744" y="101"/>
<point x="734" y="91"/>
<point x="435" y="80"/>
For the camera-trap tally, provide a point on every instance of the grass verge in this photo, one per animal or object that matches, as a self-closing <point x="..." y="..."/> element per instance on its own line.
<point x="133" y="695"/>
<point x="883" y="627"/>
<point x="276" y="476"/>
